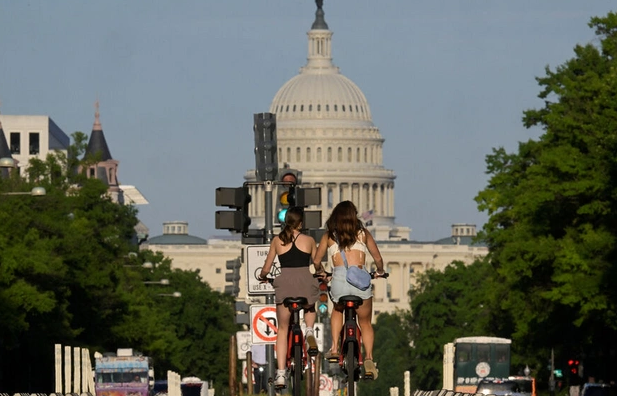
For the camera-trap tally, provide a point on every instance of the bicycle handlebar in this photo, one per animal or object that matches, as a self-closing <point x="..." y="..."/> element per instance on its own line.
<point x="266" y="279"/>
<point x="374" y="275"/>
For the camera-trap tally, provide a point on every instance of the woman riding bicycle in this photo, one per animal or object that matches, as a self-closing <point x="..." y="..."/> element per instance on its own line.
<point x="345" y="231"/>
<point x="294" y="251"/>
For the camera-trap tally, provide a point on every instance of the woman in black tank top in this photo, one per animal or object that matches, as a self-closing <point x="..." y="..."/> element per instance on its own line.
<point x="295" y="251"/>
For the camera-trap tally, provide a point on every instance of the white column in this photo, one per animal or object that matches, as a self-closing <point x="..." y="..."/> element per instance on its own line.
<point x="76" y="370"/>
<point x="67" y="370"/>
<point x="87" y="382"/>
<point x="58" y="360"/>
<point x="337" y="193"/>
<point x="391" y="199"/>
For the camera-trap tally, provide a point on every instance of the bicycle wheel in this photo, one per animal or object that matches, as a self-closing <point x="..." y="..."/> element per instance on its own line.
<point x="351" y="365"/>
<point x="298" y="367"/>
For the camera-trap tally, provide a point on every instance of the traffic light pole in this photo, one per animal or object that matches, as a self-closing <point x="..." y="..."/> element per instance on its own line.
<point x="269" y="225"/>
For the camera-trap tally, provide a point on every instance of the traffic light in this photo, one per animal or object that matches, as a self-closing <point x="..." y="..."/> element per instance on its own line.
<point x="308" y="196"/>
<point x="233" y="277"/>
<point x="237" y="198"/>
<point x="322" y="304"/>
<point x="573" y="366"/>
<point x="573" y="371"/>
<point x="286" y="192"/>
<point x="266" y="159"/>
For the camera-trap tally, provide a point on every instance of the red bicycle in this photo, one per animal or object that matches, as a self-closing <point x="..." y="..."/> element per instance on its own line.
<point x="350" y="340"/>
<point x="297" y="353"/>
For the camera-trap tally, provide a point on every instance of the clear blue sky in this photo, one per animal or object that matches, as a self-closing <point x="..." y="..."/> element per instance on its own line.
<point x="178" y="83"/>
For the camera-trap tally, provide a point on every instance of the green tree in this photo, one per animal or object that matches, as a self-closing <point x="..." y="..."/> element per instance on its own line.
<point x="553" y="210"/>
<point x="66" y="277"/>
<point x="445" y="306"/>
<point x="392" y="353"/>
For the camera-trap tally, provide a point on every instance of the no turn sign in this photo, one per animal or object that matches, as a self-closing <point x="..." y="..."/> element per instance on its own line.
<point x="264" y="325"/>
<point x="325" y="383"/>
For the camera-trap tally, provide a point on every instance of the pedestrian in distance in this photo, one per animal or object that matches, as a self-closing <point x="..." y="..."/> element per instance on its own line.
<point x="344" y="230"/>
<point x="295" y="251"/>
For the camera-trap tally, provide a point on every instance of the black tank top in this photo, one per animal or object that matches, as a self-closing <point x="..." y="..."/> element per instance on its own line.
<point x="294" y="257"/>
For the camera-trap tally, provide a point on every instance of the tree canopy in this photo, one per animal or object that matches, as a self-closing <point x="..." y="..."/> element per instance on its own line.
<point x="552" y="229"/>
<point x="70" y="274"/>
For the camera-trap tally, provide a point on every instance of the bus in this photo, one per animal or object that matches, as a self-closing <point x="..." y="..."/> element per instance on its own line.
<point x="468" y="360"/>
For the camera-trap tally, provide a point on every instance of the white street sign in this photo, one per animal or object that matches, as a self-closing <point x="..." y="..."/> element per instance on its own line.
<point x="264" y="325"/>
<point x="318" y="329"/>
<point x="325" y="385"/>
<point x="243" y="343"/>
<point x="255" y="257"/>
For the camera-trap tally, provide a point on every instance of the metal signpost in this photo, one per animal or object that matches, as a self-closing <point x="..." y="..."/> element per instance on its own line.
<point x="267" y="172"/>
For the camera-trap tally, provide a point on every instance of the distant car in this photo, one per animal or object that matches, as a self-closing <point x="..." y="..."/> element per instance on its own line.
<point x="592" y="389"/>
<point x="498" y="387"/>
<point x="526" y="385"/>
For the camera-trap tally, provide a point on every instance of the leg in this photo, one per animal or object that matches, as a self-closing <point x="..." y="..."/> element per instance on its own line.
<point x="365" y="315"/>
<point x="310" y="315"/>
<point x="309" y="320"/>
<point x="282" y="315"/>
<point x="336" y="324"/>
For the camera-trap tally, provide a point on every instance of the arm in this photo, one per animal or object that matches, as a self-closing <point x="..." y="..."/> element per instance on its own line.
<point x="319" y="253"/>
<point x="374" y="251"/>
<point x="265" y="270"/>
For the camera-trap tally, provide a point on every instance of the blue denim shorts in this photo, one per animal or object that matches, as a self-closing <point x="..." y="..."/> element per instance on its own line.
<point x="340" y="287"/>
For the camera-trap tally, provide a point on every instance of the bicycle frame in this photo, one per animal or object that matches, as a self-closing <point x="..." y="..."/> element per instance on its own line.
<point x="350" y="357"/>
<point x="351" y="338"/>
<point x="296" y="349"/>
<point x="295" y="337"/>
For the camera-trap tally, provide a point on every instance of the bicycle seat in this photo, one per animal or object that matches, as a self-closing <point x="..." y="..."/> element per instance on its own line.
<point x="301" y="301"/>
<point x="350" y="298"/>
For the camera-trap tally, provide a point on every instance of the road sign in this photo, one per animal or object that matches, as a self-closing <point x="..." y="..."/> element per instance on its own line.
<point x="243" y="343"/>
<point x="318" y="330"/>
<point x="255" y="257"/>
<point x="264" y="325"/>
<point x="325" y="383"/>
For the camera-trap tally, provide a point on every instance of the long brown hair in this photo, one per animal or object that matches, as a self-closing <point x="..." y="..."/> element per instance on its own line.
<point x="343" y="224"/>
<point x="293" y="219"/>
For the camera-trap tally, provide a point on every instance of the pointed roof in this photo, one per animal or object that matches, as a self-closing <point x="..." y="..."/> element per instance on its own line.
<point x="97" y="142"/>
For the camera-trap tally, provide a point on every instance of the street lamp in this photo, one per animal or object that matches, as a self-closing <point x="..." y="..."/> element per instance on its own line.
<point x="174" y="294"/>
<point x="35" y="192"/>
<point x="161" y="282"/>
<point x="7" y="162"/>
<point x="146" y="265"/>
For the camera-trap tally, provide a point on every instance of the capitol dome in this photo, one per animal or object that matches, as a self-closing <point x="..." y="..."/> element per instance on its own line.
<point x="320" y="91"/>
<point x="324" y="129"/>
<point x="324" y="95"/>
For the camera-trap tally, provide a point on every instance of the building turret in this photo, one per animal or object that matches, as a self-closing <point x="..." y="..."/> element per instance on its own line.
<point x="100" y="163"/>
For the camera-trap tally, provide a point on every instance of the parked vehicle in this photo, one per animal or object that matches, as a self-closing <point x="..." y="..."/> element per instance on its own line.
<point x="469" y="360"/>
<point x="499" y="387"/>
<point x="592" y="389"/>
<point x="125" y="373"/>
<point x="527" y="385"/>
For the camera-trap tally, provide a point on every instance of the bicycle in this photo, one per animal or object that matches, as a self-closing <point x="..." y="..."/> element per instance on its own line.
<point x="350" y="340"/>
<point x="297" y="354"/>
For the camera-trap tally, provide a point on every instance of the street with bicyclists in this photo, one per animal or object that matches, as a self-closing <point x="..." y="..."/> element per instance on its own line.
<point x="300" y="283"/>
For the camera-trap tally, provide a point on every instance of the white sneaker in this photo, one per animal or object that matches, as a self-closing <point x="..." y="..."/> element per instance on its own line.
<point x="280" y="381"/>
<point x="312" y="349"/>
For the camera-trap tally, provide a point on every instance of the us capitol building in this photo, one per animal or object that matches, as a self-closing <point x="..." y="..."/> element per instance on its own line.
<point x="325" y="129"/>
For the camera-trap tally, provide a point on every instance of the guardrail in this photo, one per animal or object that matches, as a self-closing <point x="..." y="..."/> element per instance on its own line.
<point x="46" y="394"/>
<point x="443" y="392"/>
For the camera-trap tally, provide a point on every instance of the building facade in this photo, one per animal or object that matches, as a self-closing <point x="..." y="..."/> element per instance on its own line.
<point x="325" y="129"/>
<point x="32" y="136"/>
